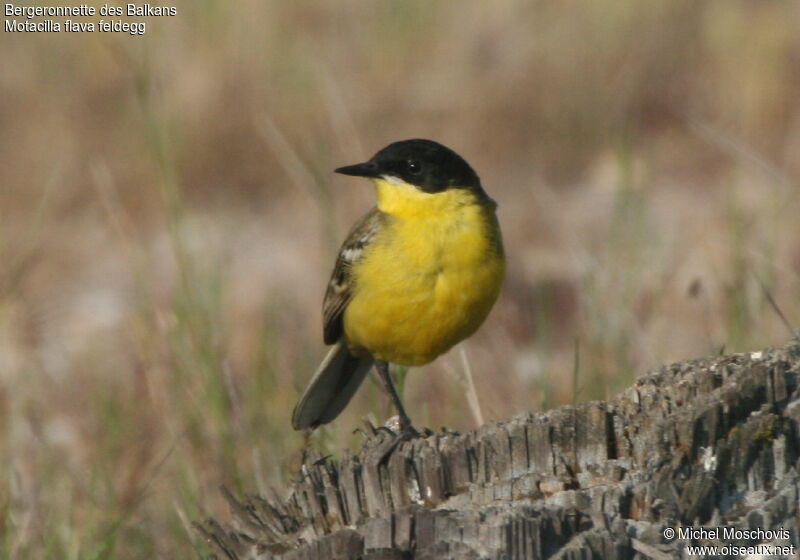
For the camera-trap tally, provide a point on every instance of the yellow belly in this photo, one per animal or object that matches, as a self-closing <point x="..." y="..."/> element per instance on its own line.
<point x="424" y="284"/>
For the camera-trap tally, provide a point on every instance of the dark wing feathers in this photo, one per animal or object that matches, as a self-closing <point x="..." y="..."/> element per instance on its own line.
<point x="340" y="286"/>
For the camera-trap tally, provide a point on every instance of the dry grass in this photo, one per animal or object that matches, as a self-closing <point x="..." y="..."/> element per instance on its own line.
<point x="168" y="217"/>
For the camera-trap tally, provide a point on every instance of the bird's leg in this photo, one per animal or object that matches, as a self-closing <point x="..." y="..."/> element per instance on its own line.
<point x="405" y="422"/>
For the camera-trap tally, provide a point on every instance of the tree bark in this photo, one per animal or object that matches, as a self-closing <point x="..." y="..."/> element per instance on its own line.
<point x="711" y="442"/>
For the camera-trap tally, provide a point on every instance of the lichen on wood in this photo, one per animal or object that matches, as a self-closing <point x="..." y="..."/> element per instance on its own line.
<point x="709" y="442"/>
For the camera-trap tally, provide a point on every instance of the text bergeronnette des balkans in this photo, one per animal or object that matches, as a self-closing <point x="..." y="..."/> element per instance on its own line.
<point x="142" y="10"/>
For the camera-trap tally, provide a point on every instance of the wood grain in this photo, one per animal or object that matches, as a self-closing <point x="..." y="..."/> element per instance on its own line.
<point x="704" y="442"/>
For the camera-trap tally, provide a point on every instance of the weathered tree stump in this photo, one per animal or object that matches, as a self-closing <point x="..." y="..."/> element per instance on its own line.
<point x="712" y="442"/>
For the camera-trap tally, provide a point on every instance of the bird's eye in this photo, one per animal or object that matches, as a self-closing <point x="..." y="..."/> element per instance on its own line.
<point x="413" y="166"/>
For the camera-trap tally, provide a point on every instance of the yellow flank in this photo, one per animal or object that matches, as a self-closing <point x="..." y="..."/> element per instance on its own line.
<point x="428" y="279"/>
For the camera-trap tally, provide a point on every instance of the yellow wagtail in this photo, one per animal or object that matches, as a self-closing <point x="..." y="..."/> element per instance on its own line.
<point x="416" y="275"/>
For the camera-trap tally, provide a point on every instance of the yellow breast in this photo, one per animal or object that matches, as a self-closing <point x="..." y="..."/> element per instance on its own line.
<point x="429" y="278"/>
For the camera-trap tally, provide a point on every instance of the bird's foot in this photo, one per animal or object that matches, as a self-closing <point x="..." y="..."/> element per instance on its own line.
<point x="385" y="440"/>
<point x="402" y="427"/>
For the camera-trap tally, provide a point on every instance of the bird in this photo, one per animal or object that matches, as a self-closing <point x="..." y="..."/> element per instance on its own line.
<point x="416" y="275"/>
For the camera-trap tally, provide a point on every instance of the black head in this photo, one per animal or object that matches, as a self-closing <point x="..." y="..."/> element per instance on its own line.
<point x="426" y="164"/>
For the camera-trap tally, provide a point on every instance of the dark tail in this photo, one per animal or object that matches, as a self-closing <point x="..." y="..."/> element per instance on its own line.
<point x="333" y="385"/>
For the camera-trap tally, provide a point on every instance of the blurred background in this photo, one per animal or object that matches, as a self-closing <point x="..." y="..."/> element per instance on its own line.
<point x="169" y="218"/>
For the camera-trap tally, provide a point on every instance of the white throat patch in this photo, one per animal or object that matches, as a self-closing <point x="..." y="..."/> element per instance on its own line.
<point x="393" y="180"/>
